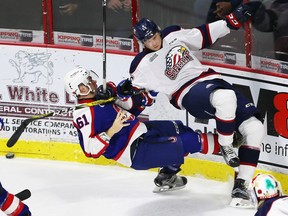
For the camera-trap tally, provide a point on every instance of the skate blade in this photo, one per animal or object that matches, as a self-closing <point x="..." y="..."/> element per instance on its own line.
<point x="241" y="203"/>
<point x="166" y="189"/>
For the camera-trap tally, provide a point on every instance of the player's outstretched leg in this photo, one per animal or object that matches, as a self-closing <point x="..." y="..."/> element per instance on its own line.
<point x="168" y="180"/>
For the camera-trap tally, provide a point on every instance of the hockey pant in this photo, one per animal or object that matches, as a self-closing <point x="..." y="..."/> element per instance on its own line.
<point x="165" y="143"/>
<point x="197" y="103"/>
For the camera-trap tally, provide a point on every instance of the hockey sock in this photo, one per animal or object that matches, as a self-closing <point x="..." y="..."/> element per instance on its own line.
<point x="248" y="161"/>
<point x="210" y="144"/>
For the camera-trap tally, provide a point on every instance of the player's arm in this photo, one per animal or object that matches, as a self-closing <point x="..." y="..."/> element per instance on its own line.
<point x="134" y="99"/>
<point x="141" y="101"/>
<point x="129" y="97"/>
<point x="205" y="35"/>
<point x="95" y="143"/>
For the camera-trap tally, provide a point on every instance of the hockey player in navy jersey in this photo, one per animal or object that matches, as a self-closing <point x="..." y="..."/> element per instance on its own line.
<point x="12" y="205"/>
<point x="114" y="131"/>
<point x="167" y="65"/>
<point x="268" y="195"/>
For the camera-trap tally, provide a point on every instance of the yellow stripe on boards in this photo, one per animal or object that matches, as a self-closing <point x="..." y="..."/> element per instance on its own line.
<point x="73" y="152"/>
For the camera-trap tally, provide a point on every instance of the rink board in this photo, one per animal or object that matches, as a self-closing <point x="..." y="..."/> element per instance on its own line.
<point x="24" y="94"/>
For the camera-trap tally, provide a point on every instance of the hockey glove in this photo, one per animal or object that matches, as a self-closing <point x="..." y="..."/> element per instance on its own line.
<point x="149" y="98"/>
<point x="239" y="16"/>
<point x="110" y="91"/>
<point x="125" y="89"/>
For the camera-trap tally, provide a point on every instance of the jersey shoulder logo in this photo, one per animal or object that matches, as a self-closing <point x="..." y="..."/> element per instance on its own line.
<point x="176" y="59"/>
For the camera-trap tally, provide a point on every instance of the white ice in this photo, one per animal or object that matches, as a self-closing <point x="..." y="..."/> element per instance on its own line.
<point x="76" y="189"/>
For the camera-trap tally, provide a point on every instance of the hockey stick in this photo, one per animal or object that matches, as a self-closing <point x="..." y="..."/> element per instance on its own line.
<point x="23" y="195"/>
<point x="104" y="45"/>
<point x="15" y="136"/>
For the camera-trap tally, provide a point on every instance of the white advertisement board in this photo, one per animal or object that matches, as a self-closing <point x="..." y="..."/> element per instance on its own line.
<point x="16" y="35"/>
<point x="31" y="81"/>
<point x="115" y="43"/>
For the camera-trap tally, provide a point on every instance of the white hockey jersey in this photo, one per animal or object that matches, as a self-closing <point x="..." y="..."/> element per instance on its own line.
<point x="174" y="65"/>
<point x="274" y="207"/>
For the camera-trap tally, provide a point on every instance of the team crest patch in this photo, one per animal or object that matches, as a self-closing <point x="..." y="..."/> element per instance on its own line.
<point x="176" y="59"/>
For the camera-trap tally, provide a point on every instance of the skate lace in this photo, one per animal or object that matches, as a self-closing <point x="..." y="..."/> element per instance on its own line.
<point x="229" y="152"/>
<point x="170" y="181"/>
<point x="163" y="180"/>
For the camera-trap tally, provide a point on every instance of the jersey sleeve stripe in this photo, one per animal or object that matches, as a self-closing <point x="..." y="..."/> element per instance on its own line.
<point x="205" y="31"/>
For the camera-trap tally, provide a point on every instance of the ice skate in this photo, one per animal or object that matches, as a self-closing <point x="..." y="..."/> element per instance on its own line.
<point x="240" y="195"/>
<point x="230" y="156"/>
<point x="169" y="182"/>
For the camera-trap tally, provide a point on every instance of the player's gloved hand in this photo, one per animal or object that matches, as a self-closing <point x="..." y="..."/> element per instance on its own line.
<point x="148" y="98"/>
<point x="110" y="91"/>
<point x="240" y="15"/>
<point x="125" y="89"/>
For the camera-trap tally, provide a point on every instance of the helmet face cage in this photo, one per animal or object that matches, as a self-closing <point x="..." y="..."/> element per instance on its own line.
<point x="266" y="186"/>
<point x="76" y="77"/>
<point x="145" y="29"/>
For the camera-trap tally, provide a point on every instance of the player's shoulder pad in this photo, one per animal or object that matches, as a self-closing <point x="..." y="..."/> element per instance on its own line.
<point x="169" y="30"/>
<point x="137" y="59"/>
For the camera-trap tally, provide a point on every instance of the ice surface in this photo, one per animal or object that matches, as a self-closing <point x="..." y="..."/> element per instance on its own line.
<point x="74" y="189"/>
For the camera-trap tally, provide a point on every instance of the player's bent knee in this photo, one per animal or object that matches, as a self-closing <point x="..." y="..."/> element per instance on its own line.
<point x="225" y="102"/>
<point x="253" y="130"/>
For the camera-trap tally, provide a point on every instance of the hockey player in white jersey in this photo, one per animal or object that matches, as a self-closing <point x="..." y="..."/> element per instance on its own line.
<point x="269" y="199"/>
<point x="167" y="65"/>
<point x="113" y="130"/>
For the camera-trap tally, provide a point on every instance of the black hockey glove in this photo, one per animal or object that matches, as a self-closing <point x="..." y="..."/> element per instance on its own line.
<point x="240" y="15"/>
<point x="125" y="89"/>
<point x="110" y="91"/>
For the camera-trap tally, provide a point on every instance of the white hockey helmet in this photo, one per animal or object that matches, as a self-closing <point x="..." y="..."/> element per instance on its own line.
<point x="78" y="76"/>
<point x="265" y="186"/>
